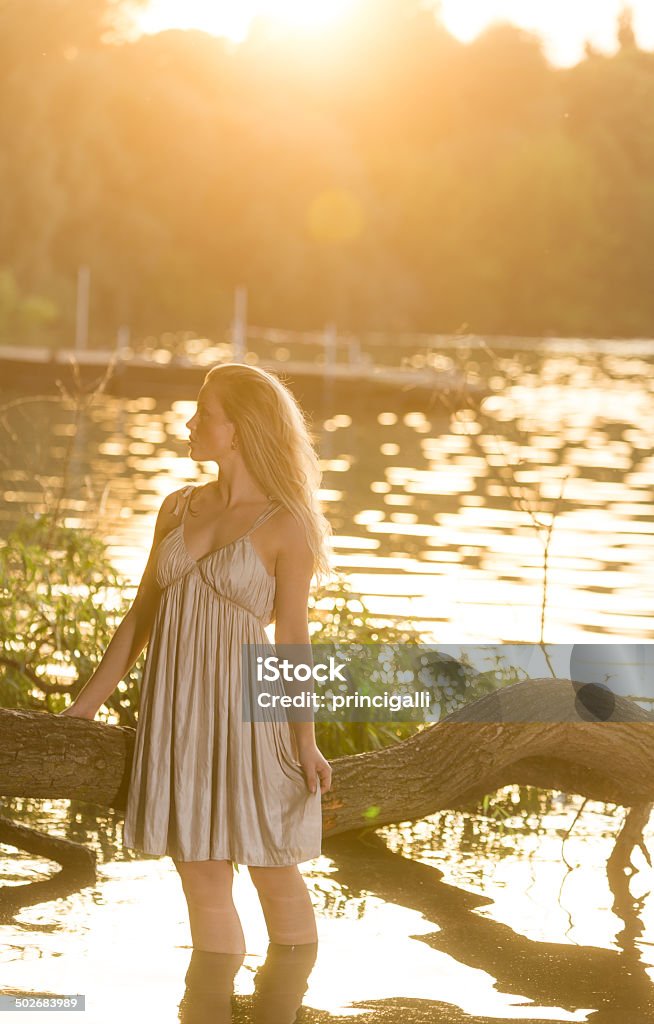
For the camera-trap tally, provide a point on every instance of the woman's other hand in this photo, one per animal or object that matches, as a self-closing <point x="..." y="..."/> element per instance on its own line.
<point x="316" y="769"/>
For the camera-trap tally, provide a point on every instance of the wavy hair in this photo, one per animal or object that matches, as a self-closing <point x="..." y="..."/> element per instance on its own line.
<point x="277" y="447"/>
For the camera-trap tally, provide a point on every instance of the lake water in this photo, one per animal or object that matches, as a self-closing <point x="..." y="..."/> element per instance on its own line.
<point x="435" y="521"/>
<point x="438" y="518"/>
<point x="448" y="919"/>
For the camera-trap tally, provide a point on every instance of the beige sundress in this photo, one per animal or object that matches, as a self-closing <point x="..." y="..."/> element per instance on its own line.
<point x="205" y="784"/>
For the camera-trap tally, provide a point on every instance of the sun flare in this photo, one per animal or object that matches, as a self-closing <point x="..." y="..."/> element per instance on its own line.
<point x="563" y="27"/>
<point x="233" y="20"/>
<point x="304" y="13"/>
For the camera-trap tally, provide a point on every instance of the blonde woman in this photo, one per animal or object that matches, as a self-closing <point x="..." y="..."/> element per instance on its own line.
<point x="208" y="788"/>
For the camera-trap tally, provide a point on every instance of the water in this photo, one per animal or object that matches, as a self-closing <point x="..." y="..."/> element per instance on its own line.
<point x="434" y="520"/>
<point x="438" y="518"/>
<point x="517" y="927"/>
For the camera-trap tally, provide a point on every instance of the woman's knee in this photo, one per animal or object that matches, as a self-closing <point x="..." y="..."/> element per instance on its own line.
<point x="275" y="881"/>
<point x="206" y="878"/>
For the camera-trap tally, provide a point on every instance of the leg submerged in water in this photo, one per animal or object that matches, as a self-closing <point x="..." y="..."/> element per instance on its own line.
<point x="282" y="981"/>
<point x="291" y="922"/>
<point x="209" y="988"/>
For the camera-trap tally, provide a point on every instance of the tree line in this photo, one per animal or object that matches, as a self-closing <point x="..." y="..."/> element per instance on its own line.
<point x="382" y="175"/>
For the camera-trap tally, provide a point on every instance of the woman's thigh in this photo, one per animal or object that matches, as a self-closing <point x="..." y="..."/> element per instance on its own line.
<point x="205" y="878"/>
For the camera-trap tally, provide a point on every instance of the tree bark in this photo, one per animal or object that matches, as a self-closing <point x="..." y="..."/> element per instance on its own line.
<point x="529" y="733"/>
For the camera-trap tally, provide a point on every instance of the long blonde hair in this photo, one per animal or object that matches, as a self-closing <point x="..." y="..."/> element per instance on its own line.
<point x="277" y="447"/>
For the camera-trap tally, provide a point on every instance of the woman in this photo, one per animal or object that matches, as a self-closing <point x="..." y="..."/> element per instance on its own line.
<point x="228" y="558"/>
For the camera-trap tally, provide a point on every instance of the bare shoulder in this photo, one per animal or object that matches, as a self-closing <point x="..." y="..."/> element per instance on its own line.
<point x="170" y="509"/>
<point x="290" y="535"/>
<point x="167" y="518"/>
<point x="169" y="505"/>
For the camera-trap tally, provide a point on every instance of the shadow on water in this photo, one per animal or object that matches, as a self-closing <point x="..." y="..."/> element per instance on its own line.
<point x="614" y="984"/>
<point x="606" y="985"/>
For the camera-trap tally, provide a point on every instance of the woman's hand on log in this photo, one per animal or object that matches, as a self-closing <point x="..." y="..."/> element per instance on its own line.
<point x="77" y="712"/>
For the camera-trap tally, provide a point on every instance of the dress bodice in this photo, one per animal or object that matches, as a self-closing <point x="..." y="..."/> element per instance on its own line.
<point x="234" y="571"/>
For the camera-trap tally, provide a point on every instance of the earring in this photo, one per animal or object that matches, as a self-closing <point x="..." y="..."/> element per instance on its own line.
<point x="234" y="444"/>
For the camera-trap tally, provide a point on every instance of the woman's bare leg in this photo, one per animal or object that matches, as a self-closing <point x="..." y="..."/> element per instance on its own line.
<point x="286" y="904"/>
<point x="215" y="924"/>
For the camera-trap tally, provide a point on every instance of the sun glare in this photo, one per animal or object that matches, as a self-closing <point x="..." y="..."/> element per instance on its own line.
<point x="563" y="26"/>
<point x="304" y="13"/>
<point x="233" y="20"/>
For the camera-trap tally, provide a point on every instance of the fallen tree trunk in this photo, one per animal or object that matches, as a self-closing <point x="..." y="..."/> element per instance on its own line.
<point x="76" y="858"/>
<point x="529" y="733"/>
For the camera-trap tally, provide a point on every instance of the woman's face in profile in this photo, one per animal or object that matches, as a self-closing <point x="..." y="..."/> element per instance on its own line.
<point x="210" y="431"/>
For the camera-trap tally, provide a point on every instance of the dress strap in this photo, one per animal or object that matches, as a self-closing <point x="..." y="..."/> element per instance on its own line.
<point x="183" y="496"/>
<point x="273" y="507"/>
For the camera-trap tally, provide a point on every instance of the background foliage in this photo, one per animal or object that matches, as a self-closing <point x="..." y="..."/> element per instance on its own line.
<point x="385" y="176"/>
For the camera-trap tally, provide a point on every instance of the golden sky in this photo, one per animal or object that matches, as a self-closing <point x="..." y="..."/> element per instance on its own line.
<point x="563" y="24"/>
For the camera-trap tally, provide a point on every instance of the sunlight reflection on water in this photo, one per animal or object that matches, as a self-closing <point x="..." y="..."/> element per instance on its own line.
<point x="124" y="942"/>
<point x="480" y="565"/>
<point x="442" y="501"/>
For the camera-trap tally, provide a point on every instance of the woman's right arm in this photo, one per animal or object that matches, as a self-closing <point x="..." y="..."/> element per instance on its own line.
<point x="133" y="632"/>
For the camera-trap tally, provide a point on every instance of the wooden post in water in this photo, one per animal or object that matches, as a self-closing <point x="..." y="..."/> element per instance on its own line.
<point x="239" y="323"/>
<point x="122" y="339"/>
<point x="329" y="341"/>
<point x="82" y="310"/>
<point x="354" y="351"/>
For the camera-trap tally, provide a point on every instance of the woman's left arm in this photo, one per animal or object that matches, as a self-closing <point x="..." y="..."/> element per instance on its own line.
<point x="293" y="572"/>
